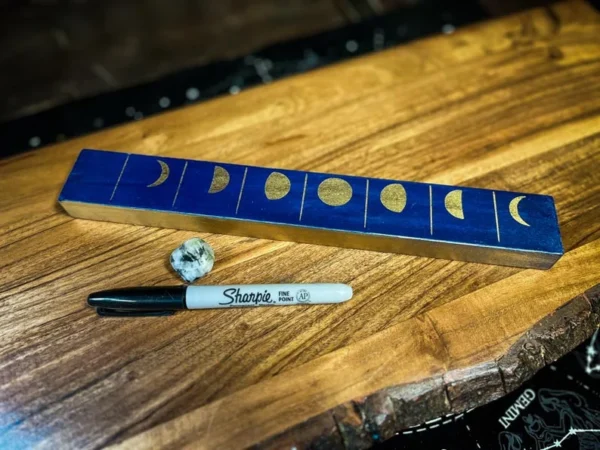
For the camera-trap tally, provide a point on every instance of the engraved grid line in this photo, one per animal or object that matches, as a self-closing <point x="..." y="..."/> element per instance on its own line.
<point x="430" y="210"/>
<point x="303" y="196"/>
<point x="241" y="190"/>
<point x="119" y="179"/>
<point x="366" y="204"/>
<point x="179" y="185"/>
<point x="496" y="216"/>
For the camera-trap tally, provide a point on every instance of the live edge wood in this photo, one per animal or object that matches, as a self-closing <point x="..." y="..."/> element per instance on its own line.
<point x="510" y="104"/>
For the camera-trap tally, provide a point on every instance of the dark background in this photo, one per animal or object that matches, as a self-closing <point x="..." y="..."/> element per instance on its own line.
<point x="57" y="51"/>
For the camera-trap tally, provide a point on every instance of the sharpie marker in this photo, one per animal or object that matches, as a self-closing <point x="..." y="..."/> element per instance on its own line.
<point x="164" y="301"/>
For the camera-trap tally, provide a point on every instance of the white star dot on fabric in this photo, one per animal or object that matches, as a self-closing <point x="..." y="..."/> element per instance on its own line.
<point x="351" y="46"/>
<point x="164" y="102"/>
<point x="448" y="29"/>
<point x="192" y="93"/>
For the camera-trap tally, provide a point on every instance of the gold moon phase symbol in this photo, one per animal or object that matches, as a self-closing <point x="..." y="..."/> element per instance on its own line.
<point x="393" y="197"/>
<point x="513" y="207"/>
<point x="164" y="174"/>
<point x="453" y="203"/>
<point x="335" y="191"/>
<point x="277" y="186"/>
<point x="219" y="181"/>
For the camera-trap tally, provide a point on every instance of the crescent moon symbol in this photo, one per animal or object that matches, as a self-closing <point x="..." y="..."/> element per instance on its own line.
<point x="513" y="207"/>
<point x="164" y="174"/>
<point x="219" y="181"/>
<point x="453" y="203"/>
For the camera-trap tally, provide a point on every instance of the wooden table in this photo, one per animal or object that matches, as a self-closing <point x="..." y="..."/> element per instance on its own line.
<point x="511" y="104"/>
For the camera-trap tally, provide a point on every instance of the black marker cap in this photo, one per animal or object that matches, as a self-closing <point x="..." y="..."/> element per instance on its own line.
<point x="139" y="301"/>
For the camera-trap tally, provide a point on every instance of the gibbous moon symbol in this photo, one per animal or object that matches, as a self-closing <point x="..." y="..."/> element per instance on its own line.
<point x="335" y="192"/>
<point x="453" y="203"/>
<point x="219" y="181"/>
<point x="164" y="174"/>
<point x="513" y="207"/>
<point x="277" y="186"/>
<point x="393" y="197"/>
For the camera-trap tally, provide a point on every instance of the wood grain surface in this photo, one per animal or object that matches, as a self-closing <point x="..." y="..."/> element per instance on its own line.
<point x="510" y="104"/>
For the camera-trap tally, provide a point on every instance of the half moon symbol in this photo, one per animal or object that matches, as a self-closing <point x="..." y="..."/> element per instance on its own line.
<point x="164" y="174"/>
<point x="513" y="207"/>
<point x="453" y="203"/>
<point x="393" y="197"/>
<point x="277" y="186"/>
<point x="219" y="181"/>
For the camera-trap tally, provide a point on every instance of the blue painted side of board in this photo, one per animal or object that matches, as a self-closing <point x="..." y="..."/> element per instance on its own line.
<point x="138" y="181"/>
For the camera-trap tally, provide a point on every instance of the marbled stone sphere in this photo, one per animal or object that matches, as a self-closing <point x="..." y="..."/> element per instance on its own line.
<point x="193" y="259"/>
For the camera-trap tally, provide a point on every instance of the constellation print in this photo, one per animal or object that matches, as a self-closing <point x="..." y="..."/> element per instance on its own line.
<point x="591" y="351"/>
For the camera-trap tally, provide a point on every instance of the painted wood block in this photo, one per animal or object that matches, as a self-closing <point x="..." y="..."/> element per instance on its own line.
<point x="479" y="225"/>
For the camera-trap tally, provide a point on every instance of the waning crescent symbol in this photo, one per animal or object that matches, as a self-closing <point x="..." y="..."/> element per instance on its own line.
<point x="453" y="203"/>
<point x="164" y="174"/>
<point x="513" y="207"/>
<point x="219" y="181"/>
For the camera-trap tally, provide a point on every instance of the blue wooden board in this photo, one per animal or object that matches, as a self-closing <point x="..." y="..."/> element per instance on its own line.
<point x="426" y="219"/>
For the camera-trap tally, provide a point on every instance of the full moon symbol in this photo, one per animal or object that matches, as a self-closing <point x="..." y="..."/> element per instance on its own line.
<point x="335" y="192"/>
<point x="453" y="203"/>
<point x="164" y="174"/>
<point x="513" y="207"/>
<point x="219" y="181"/>
<point x="277" y="186"/>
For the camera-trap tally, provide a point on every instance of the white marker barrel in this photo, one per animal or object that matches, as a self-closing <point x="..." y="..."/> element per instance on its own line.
<point x="203" y="297"/>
